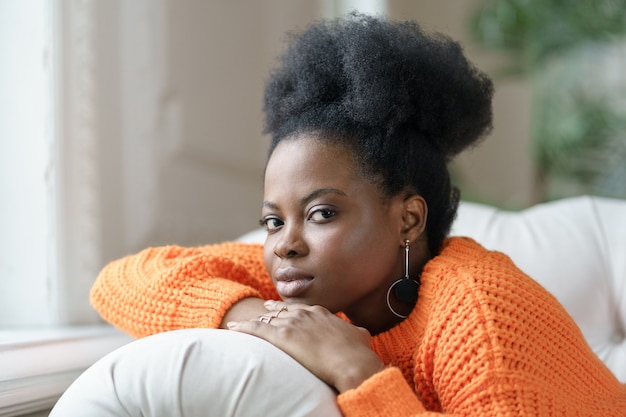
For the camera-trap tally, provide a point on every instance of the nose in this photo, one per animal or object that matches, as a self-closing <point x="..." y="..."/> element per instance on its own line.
<point x="290" y="243"/>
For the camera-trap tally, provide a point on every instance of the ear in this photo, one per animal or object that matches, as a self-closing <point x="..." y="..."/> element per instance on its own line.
<point x="414" y="216"/>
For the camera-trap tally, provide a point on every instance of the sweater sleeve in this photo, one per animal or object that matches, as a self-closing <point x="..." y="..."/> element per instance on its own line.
<point x="171" y="287"/>
<point x="384" y="394"/>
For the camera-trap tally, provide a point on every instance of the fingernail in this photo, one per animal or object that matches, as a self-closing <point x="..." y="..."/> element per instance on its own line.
<point x="231" y="324"/>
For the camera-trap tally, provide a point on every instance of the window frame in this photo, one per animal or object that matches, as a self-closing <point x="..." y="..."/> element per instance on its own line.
<point x="39" y="365"/>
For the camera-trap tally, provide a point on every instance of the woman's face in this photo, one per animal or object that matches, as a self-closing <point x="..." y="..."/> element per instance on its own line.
<point x="332" y="240"/>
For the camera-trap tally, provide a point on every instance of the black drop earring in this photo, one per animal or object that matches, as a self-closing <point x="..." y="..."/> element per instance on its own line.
<point x="404" y="288"/>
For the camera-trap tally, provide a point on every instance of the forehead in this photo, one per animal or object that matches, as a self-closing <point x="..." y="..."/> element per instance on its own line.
<point x="306" y="158"/>
<point x="305" y="163"/>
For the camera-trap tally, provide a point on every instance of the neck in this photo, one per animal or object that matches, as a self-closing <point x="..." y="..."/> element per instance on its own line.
<point x="380" y="318"/>
<point x="375" y="315"/>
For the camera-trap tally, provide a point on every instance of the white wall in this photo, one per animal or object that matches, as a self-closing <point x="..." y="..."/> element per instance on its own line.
<point x="181" y="93"/>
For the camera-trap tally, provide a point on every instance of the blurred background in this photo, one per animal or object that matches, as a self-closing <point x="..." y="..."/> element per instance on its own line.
<point x="127" y="124"/>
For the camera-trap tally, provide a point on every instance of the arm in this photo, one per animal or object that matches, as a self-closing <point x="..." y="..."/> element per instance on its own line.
<point x="167" y="288"/>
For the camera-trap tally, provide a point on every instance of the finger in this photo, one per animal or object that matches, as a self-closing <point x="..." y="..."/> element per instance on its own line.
<point x="275" y="313"/>
<point x="265" y="318"/>
<point x="274" y="305"/>
<point x="253" y="327"/>
<point x="271" y="315"/>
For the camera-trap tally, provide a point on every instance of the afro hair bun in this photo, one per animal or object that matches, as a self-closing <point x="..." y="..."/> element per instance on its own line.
<point x="366" y="73"/>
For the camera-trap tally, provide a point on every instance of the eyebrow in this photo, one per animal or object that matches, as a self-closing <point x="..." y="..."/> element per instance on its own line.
<point x="312" y="195"/>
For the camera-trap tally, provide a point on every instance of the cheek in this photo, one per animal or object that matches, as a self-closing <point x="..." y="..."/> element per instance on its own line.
<point x="268" y="257"/>
<point x="360" y="255"/>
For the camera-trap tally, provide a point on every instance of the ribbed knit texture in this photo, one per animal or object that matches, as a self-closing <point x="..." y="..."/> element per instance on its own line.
<point x="483" y="339"/>
<point x="170" y="287"/>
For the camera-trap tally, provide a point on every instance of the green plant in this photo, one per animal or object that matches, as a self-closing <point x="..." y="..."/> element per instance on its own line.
<point x="531" y="31"/>
<point x="579" y="118"/>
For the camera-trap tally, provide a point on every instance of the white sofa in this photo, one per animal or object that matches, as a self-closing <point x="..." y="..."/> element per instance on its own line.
<point x="575" y="247"/>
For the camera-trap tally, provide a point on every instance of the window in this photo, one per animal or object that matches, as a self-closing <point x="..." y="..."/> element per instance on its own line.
<point x="48" y="164"/>
<point x="41" y="291"/>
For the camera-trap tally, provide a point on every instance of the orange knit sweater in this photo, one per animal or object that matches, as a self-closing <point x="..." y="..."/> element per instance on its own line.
<point x="483" y="339"/>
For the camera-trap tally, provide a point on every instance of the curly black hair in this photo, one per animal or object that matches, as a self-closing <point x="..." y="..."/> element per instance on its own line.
<point x="404" y="101"/>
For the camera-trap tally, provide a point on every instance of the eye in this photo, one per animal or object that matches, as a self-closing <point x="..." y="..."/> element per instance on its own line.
<point x="271" y="223"/>
<point x="321" y="214"/>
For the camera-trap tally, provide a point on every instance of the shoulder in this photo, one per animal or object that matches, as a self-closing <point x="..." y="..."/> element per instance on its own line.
<point x="466" y="276"/>
<point x="464" y="258"/>
<point x="475" y="287"/>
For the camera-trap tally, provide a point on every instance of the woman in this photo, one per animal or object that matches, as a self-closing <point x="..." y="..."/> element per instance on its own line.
<point x="357" y="279"/>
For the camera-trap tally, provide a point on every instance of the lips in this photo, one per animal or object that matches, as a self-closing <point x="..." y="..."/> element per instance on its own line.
<point x="291" y="282"/>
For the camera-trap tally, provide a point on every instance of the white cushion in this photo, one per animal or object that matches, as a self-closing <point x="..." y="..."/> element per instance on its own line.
<point x="197" y="373"/>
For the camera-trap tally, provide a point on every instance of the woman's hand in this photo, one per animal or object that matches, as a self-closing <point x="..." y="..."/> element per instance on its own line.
<point x="335" y="351"/>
